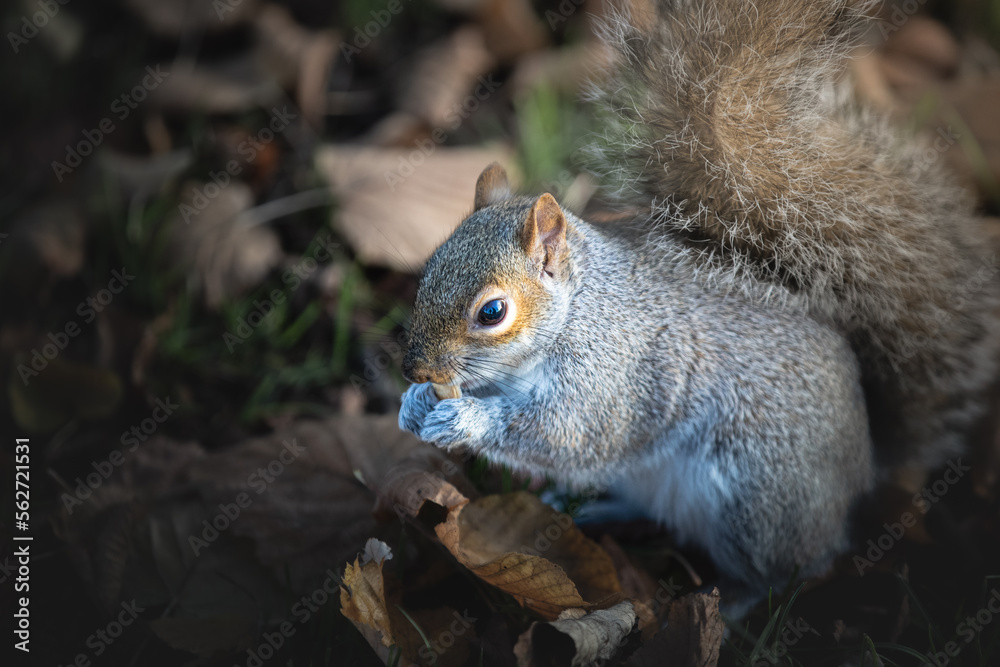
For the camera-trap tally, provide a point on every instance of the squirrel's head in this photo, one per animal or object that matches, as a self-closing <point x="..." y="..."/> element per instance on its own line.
<point x="492" y="294"/>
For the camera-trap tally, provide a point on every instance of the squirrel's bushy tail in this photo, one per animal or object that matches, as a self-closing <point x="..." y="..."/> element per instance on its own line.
<point x="727" y="122"/>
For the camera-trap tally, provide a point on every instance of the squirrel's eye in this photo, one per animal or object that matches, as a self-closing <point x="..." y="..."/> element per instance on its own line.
<point x="493" y="312"/>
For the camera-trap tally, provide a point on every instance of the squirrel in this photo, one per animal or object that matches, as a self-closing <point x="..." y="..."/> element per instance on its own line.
<point x="799" y="310"/>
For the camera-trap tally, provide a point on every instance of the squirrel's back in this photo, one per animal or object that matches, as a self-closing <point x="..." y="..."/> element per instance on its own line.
<point x="727" y="121"/>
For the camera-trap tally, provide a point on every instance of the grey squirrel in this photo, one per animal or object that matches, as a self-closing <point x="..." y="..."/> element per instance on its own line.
<point x="798" y="312"/>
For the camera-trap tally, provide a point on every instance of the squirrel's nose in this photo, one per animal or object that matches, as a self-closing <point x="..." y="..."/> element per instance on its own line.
<point x="418" y="370"/>
<point x="408" y="366"/>
<point x="415" y="368"/>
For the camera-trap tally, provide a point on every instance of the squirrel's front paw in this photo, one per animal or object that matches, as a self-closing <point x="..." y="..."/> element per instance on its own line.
<point x="457" y="421"/>
<point x="418" y="400"/>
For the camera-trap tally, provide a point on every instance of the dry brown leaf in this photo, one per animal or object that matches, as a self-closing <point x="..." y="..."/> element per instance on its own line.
<point x="692" y="638"/>
<point x="396" y="206"/>
<point x="296" y="57"/>
<point x="315" y="511"/>
<point x="577" y="641"/>
<point x="224" y="255"/>
<point x="637" y="584"/>
<point x="928" y="44"/>
<point x="302" y="504"/>
<point x="362" y="601"/>
<point x="512" y="541"/>
<point x="378" y="616"/>
<point x="284" y="56"/>
<point x="977" y="157"/>
<point x="495" y="535"/>
<point x="953" y="91"/>
<point x="407" y="487"/>
<point x="512" y="28"/>
<point x="567" y="69"/>
<point x="235" y="85"/>
<point x="375" y="445"/>
<point x="162" y="528"/>
<point x="399" y="129"/>
<point x="444" y="76"/>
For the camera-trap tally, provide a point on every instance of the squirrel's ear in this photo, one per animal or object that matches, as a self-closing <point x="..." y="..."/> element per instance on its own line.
<point x="544" y="233"/>
<point x="492" y="186"/>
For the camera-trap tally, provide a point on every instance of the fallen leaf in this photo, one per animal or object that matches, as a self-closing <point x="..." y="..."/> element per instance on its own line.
<point x="224" y="254"/>
<point x="235" y="85"/>
<point x="390" y="630"/>
<point x="565" y="70"/>
<point x="923" y="76"/>
<point x="926" y="43"/>
<point x="514" y="541"/>
<point x="223" y="539"/>
<point x="636" y="582"/>
<point x="396" y="206"/>
<point x="296" y="57"/>
<point x="577" y="641"/>
<point x="512" y="28"/>
<point x="527" y="549"/>
<point x="444" y="77"/>
<point x="374" y="445"/>
<point x="637" y="585"/>
<point x="693" y="636"/>
<point x="362" y="600"/>
<point x="969" y="118"/>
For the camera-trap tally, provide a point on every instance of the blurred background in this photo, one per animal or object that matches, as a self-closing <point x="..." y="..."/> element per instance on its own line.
<point x="212" y="220"/>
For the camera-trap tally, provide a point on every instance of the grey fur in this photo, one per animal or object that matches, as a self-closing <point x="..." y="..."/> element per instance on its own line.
<point x="703" y="360"/>
<point x="682" y="405"/>
<point x="726" y="120"/>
